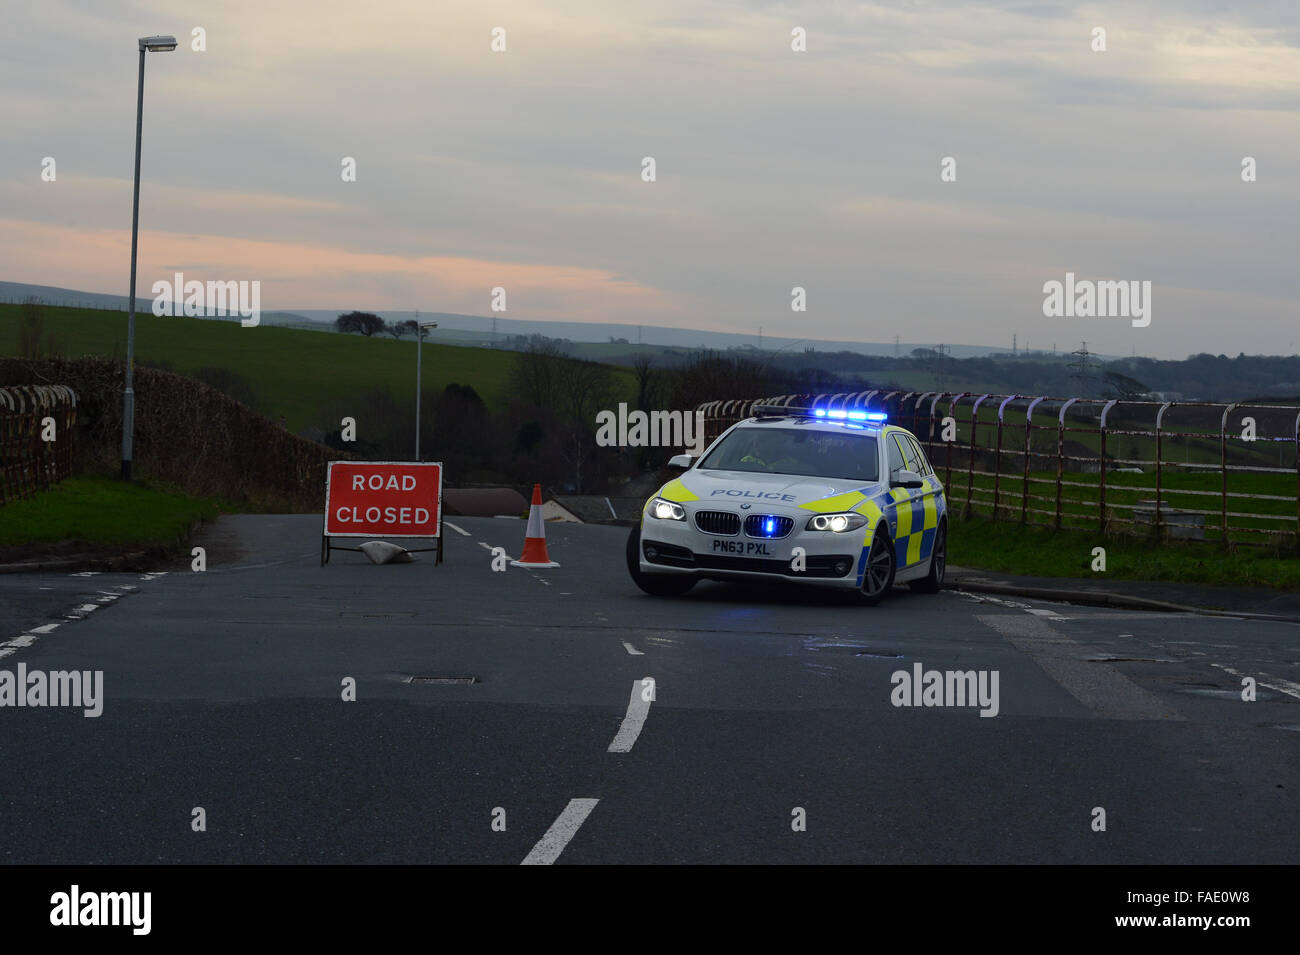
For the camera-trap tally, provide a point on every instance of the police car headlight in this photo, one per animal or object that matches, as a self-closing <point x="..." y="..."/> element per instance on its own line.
<point x="836" y="523"/>
<point x="667" y="510"/>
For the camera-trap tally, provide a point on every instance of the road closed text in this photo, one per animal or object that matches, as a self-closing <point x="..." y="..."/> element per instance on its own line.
<point x="385" y="515"/>
<point x="383" y="499"/>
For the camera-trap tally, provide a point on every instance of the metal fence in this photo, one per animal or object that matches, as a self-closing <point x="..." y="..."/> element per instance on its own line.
<point x="1194" y="470"/>
<point x="28" y="462"/>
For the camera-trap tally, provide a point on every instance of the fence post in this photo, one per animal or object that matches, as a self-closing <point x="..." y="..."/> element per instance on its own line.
<point x="1159" y="465"/>
<point x="1101" y="518"/>
<point x="1223" y="471"/>
<point x="947" y="473"/>
<point x="1024" y="482"/>
<point x="970" y="465"/>
<point x="916" y="414"/>
<point x="997" y="457"/>
<point x="1060" y="456"/>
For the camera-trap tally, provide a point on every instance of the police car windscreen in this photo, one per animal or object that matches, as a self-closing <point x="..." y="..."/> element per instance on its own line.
<point x="832" y="454"/>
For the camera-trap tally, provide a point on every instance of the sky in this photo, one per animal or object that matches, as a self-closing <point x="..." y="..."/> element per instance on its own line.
<point x="774" y="168"/>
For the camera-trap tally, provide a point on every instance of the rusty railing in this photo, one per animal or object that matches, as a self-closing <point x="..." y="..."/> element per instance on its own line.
<point x="1225" y="472"/>
<point x="28" y="461"/>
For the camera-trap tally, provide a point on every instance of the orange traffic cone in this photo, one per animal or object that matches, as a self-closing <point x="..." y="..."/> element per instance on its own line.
<point x="534" y="554"/>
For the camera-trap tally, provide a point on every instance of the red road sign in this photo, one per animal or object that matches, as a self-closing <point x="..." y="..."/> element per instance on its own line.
<point x="383" y="499"/>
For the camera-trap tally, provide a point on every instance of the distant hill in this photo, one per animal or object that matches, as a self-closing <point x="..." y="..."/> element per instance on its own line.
<point x="478" y="329"/>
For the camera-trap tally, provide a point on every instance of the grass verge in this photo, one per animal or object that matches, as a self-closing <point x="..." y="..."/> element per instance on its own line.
<point x="1041" y="552"/>
<point x="103" y="513"/>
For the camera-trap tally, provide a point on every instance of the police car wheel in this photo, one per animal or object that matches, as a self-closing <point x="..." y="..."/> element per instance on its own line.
<point x="878" y="574"/>
<point x="656" y="585"/>
<point x="932" y="582"/>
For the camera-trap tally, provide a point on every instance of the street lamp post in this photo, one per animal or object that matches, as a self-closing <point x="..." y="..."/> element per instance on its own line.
<point x="148" y="44"/>
<point x="419" y="350"/>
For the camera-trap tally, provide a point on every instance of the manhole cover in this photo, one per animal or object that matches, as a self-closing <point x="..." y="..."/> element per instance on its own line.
<point x="442" y="680"/>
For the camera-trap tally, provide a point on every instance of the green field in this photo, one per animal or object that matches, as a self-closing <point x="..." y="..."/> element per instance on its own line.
<point x="301" y="375"/>
<point x="1008" y="547"/>
<point x="103" y="512"/>
<point x="1180" y="490"/>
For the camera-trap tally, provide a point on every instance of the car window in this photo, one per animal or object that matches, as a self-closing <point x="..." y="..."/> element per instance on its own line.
<point x="816" y="453"/>
<point x="896" y="462"/>
<point x="922" y="465"/>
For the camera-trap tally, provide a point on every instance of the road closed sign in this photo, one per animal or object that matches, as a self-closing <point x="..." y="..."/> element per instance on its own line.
<point x="383" y="499"/>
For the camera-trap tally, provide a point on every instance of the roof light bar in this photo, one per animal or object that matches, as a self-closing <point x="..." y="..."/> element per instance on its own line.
<point x="832" y="414"/>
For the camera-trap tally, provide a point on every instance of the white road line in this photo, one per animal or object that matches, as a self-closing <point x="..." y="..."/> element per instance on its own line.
<point x="44" y="628"/>
<point x="638" y="708"/>
<point x="459" y="530"/>
<point x="1287" y="687"/>
<point x="85" y="573"/>
<point x="562" y="830"/>
<point x="87" y="608"/>
<point x="632" y="650"/>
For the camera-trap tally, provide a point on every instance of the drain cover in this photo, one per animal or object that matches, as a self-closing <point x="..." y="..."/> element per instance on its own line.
<point x="442" y="680"/>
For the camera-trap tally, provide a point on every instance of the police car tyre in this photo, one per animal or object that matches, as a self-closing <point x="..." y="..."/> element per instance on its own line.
<point x="878" y="573"/>
<point x="932" y="582"/>
<point x="656" y="585"/>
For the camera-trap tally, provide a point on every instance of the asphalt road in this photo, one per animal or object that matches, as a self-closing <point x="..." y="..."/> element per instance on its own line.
<point x="223" y="690"/>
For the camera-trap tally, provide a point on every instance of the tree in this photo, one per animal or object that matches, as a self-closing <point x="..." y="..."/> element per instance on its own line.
<point x="367" y="323"/>
<point x="1122" y="386"/>
<point x="34" y="340"/>
<point x="398" y="329"/>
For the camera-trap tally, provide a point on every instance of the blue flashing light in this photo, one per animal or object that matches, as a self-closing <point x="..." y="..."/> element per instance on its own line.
<point x="769" y="526"/>
<point x="839" y="414"/>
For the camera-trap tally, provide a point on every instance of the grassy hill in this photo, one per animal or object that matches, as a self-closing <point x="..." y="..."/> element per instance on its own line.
<point x="302" y="375"/>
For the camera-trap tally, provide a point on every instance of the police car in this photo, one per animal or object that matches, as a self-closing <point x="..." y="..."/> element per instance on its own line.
<point x="828" y="497"/>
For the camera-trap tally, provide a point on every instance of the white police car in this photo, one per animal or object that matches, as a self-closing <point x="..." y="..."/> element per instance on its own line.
<point x="829" y="497"/>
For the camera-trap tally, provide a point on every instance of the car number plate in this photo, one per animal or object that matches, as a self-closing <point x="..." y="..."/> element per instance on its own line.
<point x="743" y="548"/>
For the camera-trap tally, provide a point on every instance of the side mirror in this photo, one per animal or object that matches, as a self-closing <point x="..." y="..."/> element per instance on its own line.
<point x="681" y="461"/>
<point x="904" y="478"/>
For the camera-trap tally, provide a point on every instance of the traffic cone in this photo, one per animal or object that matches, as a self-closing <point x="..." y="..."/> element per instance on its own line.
<point x="534" y="554"/>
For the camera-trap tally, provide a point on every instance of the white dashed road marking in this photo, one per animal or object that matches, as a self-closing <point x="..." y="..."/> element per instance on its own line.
<point x="638" y="708"/>
<point x="1287" y="687"/>
<point x="564" y="828"/>
<point x="78" y="613"/>
<point x="632" y="650"/>
<point x="459" y="530"/>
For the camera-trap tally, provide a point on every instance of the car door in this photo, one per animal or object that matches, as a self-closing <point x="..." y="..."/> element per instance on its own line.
<point x="905" y="510"/>
<point x="898" y="509"/>
<point x="929" y="498"/>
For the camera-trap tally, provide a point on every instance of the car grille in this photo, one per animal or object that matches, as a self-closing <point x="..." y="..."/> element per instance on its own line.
<point x="718" y="522"/>
<point x="755" y="525"/>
